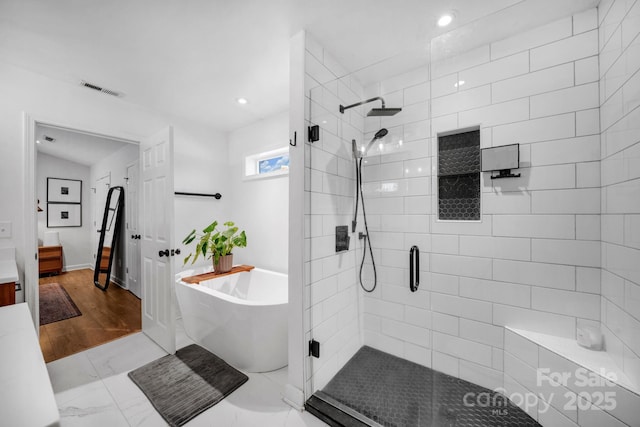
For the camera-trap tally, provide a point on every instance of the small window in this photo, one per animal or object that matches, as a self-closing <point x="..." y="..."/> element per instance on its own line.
<point x="268" y="163"/>
<point x="273" y="164"/>
<point x="459" y="176"/>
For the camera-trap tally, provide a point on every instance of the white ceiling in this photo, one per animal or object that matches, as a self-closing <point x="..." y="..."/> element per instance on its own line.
<point x="76" y="147"/>
<point x="193" y="58"/>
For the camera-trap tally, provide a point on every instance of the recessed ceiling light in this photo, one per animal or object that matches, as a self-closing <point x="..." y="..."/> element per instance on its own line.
<point x="242" y="101"/>
<point x="37" y="141"/>
<point x="460" y="83"/>
<point x="445" y="20"/>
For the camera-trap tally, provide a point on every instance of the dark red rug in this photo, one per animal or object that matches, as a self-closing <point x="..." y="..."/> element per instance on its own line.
<point x="56" y="304"/>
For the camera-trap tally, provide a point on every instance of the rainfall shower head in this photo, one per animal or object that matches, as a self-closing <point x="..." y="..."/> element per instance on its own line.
<point x="381" y="112"/>
<point x="359" y="153"/>
<point x="375" y="112"/>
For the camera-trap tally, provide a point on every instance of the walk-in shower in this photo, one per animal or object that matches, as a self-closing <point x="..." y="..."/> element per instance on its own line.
<point x="373" y="387"/>
<point x="425" y="332"/>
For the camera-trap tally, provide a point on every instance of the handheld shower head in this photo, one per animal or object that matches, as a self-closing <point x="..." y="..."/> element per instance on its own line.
<point x="359" y="153"/>
<point x="381" y="133"/>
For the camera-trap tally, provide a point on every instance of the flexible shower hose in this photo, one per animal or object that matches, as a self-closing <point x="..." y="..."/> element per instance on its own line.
<point x="366" y="230"/>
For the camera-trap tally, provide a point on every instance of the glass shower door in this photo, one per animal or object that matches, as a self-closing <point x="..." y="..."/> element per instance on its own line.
<point x="368" y="176"/>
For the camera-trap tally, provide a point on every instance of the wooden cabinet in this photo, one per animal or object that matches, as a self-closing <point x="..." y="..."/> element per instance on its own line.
<point x="50" y="259"/>
<point x="7" y="293"/>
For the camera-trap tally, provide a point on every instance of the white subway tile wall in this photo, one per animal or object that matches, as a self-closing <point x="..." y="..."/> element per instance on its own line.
<point x="398" y="201"/>
<point x="619" y="48"/>
<point x="550" y="372"/>
<point x="331" y="294"/>
<point x="519" y="265"/>
<point x="556" y="248"/>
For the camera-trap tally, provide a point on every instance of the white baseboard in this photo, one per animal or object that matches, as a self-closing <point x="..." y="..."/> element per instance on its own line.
<point x="294" y="397"/>
<point x="77" y="267"/>
<point x="119" y="282"/>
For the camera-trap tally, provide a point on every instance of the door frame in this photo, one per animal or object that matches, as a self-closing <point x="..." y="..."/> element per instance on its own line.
<point x="135" y="164"/>
<point x="31" y="276"/>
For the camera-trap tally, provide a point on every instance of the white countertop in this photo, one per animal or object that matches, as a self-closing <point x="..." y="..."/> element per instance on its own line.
<point x="8" y="268"/>
<point x="8" y="272"/>
<point x="26" y="395"/>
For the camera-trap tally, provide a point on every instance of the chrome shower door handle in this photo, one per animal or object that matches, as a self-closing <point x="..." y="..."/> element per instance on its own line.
<point x="414" y="268"/>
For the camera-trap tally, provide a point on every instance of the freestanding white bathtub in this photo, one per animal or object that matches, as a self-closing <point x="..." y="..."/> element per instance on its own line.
<point x="240" y="317"/>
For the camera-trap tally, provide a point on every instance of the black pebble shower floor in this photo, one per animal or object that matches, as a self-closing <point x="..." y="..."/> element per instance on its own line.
<point x="395" y="392"/>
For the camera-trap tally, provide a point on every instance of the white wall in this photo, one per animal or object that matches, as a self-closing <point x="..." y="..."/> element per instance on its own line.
<point x="199" y="151"/>
<point x="260" y="206"/>
<point x="75" y="241"/>
<point x="620" y="122"/>
<point x="200" y="165"/>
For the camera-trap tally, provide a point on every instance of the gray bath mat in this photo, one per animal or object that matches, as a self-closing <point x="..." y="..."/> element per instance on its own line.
<point x="182" y="385"/>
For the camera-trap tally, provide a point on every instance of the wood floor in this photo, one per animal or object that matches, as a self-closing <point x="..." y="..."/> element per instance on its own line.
<point x="106" y="316"/>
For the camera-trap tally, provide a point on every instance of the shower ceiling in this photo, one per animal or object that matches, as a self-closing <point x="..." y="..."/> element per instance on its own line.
<point x="193" y="58"/>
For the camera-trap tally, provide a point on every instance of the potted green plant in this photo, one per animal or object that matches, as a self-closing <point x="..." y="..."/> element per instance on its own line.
<point x="217" y="245"/>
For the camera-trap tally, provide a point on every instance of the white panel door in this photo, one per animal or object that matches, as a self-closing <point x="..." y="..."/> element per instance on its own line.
<point x="133" y="230"/>
<point x="156" y="219"/>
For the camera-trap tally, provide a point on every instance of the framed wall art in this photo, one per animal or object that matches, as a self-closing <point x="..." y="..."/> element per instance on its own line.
<point x="64" y="202"/>
<point x="64" y="190"/>
<point x="64" y="215"/>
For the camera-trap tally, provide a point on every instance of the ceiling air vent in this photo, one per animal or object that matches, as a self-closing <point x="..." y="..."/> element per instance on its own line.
<point x="48" y="138"/>
<point x="100" y="89"/>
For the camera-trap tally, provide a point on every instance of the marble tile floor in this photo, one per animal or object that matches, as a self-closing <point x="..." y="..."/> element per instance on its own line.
<point x="92" y="389"/>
